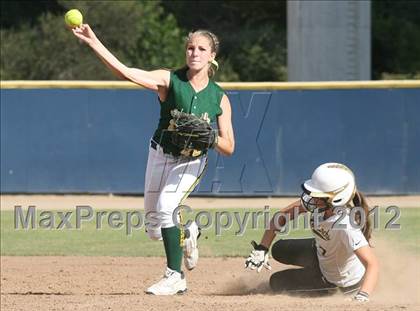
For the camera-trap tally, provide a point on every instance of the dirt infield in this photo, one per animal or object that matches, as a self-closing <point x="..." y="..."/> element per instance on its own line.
<point x="118" y="283"/>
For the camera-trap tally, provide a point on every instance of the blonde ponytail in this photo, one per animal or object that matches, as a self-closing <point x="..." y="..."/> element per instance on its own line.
<point x="359" y="200"/>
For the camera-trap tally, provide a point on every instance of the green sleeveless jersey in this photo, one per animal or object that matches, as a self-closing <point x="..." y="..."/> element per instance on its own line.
<point x="182" y="96"/>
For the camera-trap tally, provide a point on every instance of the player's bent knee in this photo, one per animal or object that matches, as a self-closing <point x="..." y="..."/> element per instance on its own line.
<point x="279" y="251"/>
<point x="169" y="220"/>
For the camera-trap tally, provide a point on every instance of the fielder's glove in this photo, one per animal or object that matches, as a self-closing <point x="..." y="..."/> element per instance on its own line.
<point x="361" y="297"/>
<point x="258" y="258"/>
<point x="190" y="132"/>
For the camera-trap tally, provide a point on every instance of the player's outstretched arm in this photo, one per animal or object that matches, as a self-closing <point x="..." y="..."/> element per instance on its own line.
<point x="277" y="223"/>
<point x="153" y="80"/>
<point x="369" y="260"/>
<point x="259" y="256"/>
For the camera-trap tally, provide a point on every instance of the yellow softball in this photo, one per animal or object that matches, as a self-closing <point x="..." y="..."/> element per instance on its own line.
<point x="73" y="18"/>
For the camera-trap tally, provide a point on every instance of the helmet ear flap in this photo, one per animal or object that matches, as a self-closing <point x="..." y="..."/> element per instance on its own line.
<point x="346" y="195"/>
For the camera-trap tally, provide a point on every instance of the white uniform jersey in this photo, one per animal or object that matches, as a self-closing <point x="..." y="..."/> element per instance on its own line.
<point x="335" y="249"/>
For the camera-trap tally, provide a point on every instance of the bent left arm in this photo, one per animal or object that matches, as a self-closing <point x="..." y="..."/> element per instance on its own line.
<point x="226" y="140"/>
<point x="369" y="260"/>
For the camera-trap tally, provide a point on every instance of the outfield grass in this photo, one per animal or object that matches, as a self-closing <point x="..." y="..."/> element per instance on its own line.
<point x="89" y="241"/>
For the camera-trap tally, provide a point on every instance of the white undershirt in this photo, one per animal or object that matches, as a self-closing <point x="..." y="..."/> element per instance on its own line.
<point x="335" y="249"/>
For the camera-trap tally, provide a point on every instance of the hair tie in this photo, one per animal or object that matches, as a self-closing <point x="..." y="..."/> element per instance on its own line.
<point x="215" y="64"/>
